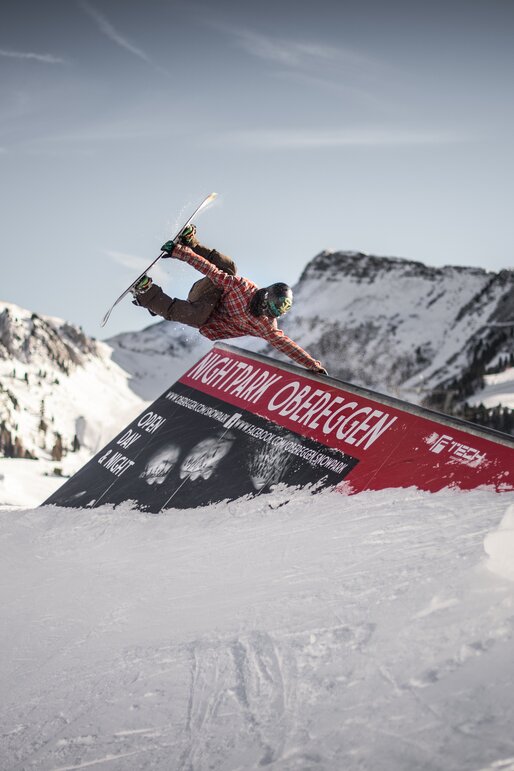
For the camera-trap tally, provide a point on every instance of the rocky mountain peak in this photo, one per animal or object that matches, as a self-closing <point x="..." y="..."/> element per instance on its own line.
<point x="28" y="337"/>
<point x="338" y="265"/>
<point x="401" y="326"/>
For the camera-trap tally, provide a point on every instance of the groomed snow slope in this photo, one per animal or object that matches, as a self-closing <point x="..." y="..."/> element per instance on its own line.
<point x="367" y="632"/>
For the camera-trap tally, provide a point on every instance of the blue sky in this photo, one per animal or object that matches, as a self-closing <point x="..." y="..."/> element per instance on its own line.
<point x="384" y="127"/>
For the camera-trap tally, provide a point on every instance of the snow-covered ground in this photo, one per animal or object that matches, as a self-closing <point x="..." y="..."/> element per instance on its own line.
<point x="368" y="632"/>
<point x="30" y="482"/>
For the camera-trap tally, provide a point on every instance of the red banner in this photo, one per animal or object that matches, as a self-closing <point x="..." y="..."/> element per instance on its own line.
<point x="395" y="444"/>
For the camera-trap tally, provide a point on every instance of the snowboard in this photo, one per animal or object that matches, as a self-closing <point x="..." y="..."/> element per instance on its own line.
<point x="206" y="201"/>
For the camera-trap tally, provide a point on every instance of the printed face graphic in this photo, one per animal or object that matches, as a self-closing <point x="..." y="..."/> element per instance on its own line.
<point x="160" y="464"/>
<point x="268" y="464"/>
<point x="205" y="457"/>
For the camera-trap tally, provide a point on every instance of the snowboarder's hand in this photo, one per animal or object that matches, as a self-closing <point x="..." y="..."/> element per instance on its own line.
<point x="168" y="247"/>
<point x="321" y="371"/>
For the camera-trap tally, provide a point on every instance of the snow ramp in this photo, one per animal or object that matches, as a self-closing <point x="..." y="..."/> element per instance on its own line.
<point x="238" y="423"/>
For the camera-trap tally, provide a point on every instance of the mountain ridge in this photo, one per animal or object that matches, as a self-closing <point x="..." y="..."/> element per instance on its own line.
<point x="422" y="329"/>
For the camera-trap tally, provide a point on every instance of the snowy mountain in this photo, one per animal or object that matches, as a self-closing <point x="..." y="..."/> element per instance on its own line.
<point x="59" y="389"/>
<point x="402" y="327"/>
<point x="157" y="356"/>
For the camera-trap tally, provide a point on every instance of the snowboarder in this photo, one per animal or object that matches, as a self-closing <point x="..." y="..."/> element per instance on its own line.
<point x="222" y="304"/>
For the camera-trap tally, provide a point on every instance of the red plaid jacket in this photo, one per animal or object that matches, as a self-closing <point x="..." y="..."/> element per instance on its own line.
<point x="232" y="317"/>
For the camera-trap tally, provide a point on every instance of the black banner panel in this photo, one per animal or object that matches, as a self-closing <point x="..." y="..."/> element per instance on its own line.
<point x="190" y="449"/>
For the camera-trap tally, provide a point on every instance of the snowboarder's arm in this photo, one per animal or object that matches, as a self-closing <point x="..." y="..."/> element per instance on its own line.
<point x="218" y="277"/>
<point x="283" y="343"/>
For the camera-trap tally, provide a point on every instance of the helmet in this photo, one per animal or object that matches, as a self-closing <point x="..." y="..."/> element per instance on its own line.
<point x="278" y="300"/>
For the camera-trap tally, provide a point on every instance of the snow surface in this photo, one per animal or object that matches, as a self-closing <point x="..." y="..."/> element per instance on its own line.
<point x="30" y="482"/>
<point x="364" y="632"/>
<point x="499" y="545"/>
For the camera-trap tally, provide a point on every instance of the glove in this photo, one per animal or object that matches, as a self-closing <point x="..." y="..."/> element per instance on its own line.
<point x="168" y="247"/>
<point x="321" y="371"/>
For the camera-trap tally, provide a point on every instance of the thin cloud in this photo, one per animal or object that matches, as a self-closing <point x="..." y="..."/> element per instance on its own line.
<point x="371" y="98"/>
<point x="283" y="139"/>
<point x="303" y="54"/>
<point x="130" y="261"/>
<point x="128" y="128"/>
<point x="107" y="29"/>
<point x="317" y="63"/>
<point x="44" y="58"/>
<point x="135" y="264"/>
<point x="285" y="52"/>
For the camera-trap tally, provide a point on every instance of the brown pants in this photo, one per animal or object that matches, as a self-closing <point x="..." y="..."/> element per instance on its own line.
<point x="201" y="300"/>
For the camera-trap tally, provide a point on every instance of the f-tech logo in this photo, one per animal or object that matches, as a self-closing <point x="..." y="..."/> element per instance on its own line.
<point x="462" y="453"/>
<point x="440" y="443"/>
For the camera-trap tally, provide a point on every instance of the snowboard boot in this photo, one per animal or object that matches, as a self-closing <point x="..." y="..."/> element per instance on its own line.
<point x="141" y="286"/>
<point x="188" y="236"/>
<point x="140" y="290"/>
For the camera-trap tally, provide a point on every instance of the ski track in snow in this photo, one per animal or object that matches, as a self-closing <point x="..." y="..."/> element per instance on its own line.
<point x="311" y="633"/>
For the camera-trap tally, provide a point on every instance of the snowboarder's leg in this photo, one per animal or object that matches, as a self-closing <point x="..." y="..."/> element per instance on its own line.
<point x="188" y="238"/>
<point x="220" y="260"/>
<point x="202" y="298"/>
<point x="204" y="291"/>
<point x="194" y="314"/>
<point x="204" y="288"/>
